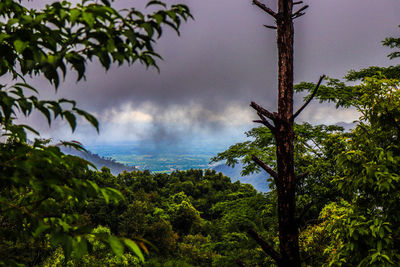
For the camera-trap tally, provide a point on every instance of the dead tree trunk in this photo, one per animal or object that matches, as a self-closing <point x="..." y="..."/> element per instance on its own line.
<point x="281" y="125"/>
<point x="284" y="135"/>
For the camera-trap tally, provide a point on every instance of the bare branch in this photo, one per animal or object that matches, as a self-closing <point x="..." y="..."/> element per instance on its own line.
<point x="300" y="11"/>
<point x="298" y="15"/>
<point x="265" y="8"/>
<point x="260" y="121"/>
<point x="265" y="167"/>
<point x="264" y="245"/>
<point x="297" y="3"/>
<point x="270" y="27"/>
<point x="310" y="98"/>
<point x="240" y="263"/>
<point x="263" y="111"/>
<point x="265" y="122"/>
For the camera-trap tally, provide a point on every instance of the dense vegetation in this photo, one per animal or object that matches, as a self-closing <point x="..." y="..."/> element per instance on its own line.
<point x="190" y="217"/>
<point x="40" y="186"/>
<point x="56" y="210"/>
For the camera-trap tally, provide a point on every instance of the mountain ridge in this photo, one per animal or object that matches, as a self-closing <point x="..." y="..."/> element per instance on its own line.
<point x="99" y="161"/>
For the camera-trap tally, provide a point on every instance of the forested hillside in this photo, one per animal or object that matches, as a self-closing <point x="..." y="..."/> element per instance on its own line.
<point x="98" y="161"/>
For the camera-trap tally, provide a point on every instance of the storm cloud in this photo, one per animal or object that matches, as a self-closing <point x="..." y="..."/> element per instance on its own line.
<point x="224" y="59"/>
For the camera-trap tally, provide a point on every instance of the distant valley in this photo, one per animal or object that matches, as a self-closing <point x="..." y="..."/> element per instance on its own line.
<point x="146" y="156"/>
<point x="156" y="158"/>
<point x="168" y="157"/>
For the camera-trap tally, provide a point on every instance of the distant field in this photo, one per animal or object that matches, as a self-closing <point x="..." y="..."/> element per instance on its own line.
<point x="164" y="162"/>
<point x="157" y="159"/>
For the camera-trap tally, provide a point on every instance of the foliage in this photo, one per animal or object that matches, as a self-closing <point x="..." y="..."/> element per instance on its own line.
<point x="318" y="242"/>
<point x="262" y="146"/>
<point x="365" y="230"/>
<point x="315" y="148"/>
<point x="391" y="72"/>
<point x="41" y="188"/>
<point x="99" y="256"/>
<point x="392" y="42"/>
<point x="99" y="161"/>
<point x="196" y="226"/>
<point x="371" y="176"/>
<point x="64" y="34"/>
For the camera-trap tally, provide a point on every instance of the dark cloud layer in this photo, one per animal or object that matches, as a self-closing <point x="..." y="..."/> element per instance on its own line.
<point x="221" y="56"/>
<point x="226" y="56"/>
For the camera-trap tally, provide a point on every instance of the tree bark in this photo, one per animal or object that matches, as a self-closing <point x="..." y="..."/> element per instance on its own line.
<point x="288" y="231"/>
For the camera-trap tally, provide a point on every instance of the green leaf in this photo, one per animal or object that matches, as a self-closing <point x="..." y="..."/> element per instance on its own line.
<point x="4" y="36"/>
<point x="159" y="18"/>
<point x="148" y="28"/>
<point x="116" y="246"/>
<point x="30" y="129"/>
<point x="88" y="18"/>
<point x="71" y="119"/>
<point x="104" y="60"/>
<point x="40" y="229"/>
<point x="134" y="248"/>
<point x="50" y="72"/>
<point x="106" y="2"/>
<point x="74" y="144"/>
<point x="27" y="86"/>
<point x="45" y="111"/>
<point x="379" y="246"/>
<point x="67" y="245"/>
<point x="154" y="2"/>
<point x="116" y="192"/>
<point x="94" y="185"/>
<point x="20" y="45"/>
<point x="90" y="118"/>
<point x="105" y="195"/>
<point x="80" y="248"/>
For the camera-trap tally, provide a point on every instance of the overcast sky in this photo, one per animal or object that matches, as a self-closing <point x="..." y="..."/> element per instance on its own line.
<point x="223" y="60"/>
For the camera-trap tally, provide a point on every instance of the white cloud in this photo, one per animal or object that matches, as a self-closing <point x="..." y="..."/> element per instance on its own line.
<point x="126" y="114"/>
<point x="327" y="114"/>
<point x="131" y="123"/>
<point x="179" y="123"/>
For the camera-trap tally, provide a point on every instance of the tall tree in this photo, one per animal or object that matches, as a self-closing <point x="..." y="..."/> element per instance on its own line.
<point x="281" y="124"/>
<point x="368" y="233"/>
